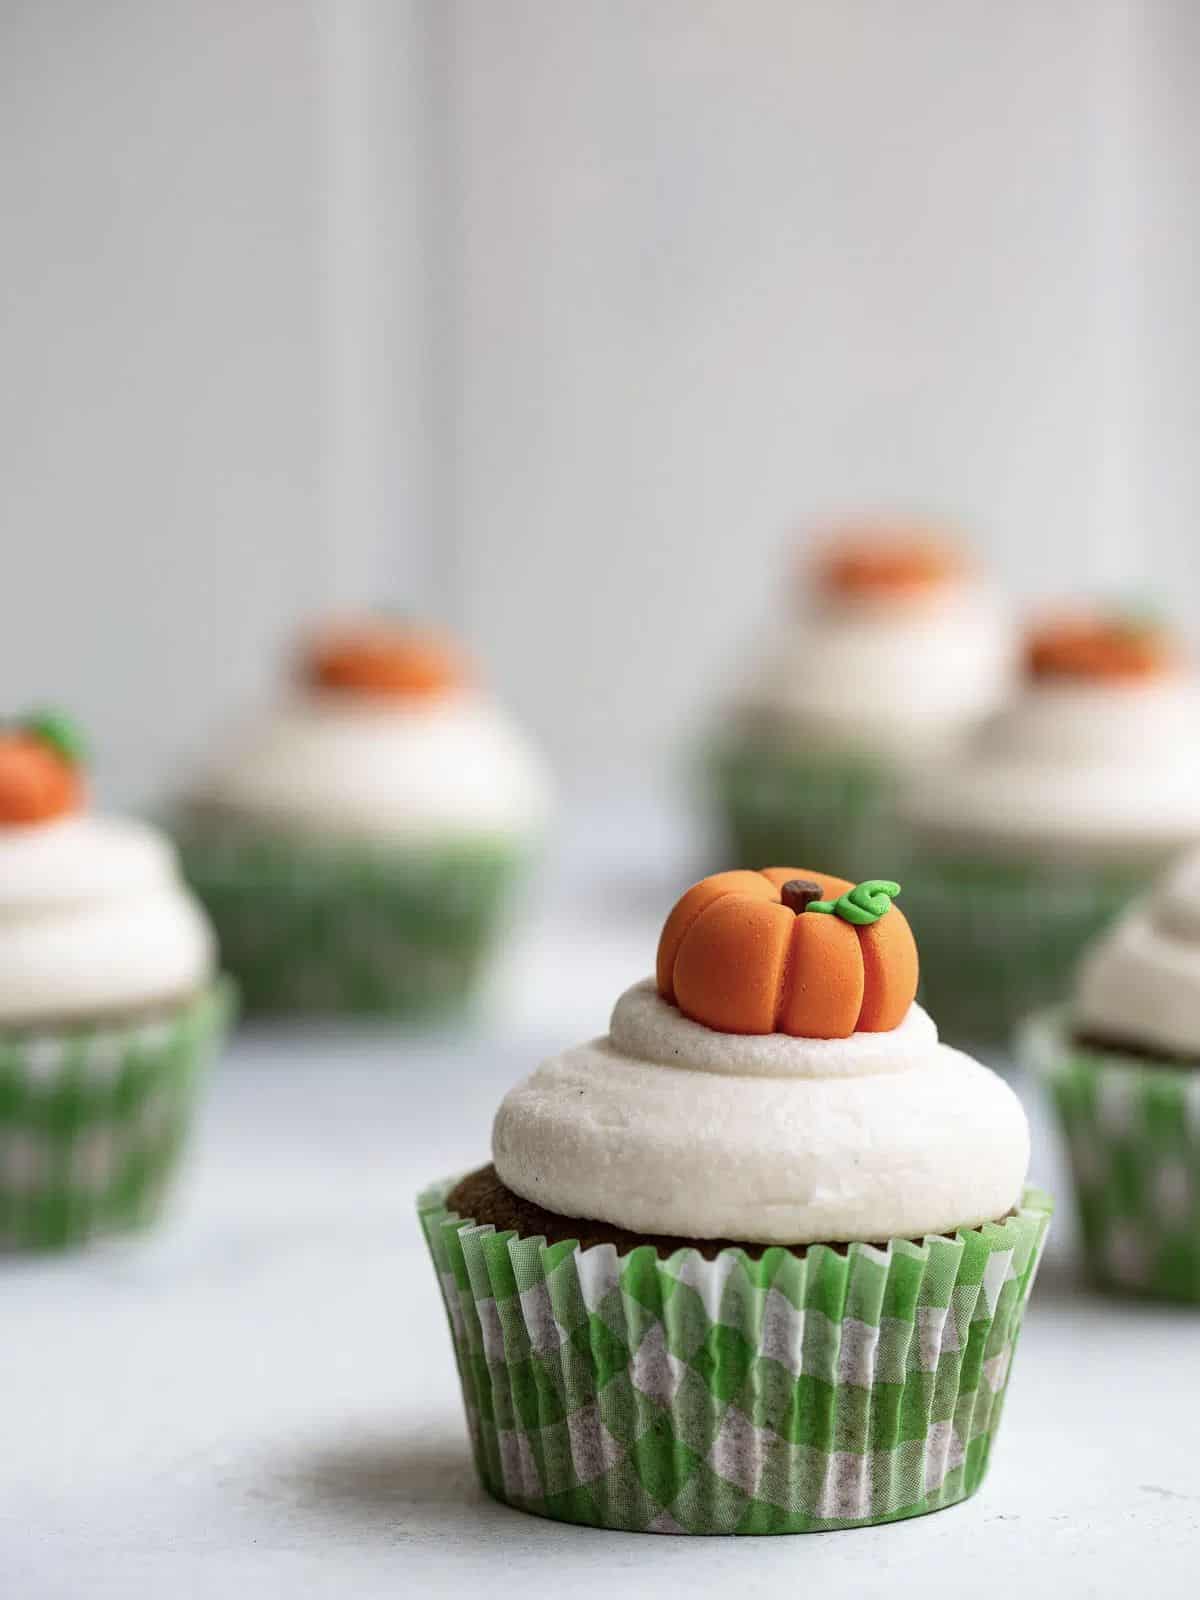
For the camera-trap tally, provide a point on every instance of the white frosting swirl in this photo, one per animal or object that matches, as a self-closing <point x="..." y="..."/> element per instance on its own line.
<point x="94" y="920"/>
<point x="898" y="679"/>
<point x="361" y="768"/>
<point x="1076" y="770"/>
<point x="1140" y="982"/>
<point x="668" y="1127"/>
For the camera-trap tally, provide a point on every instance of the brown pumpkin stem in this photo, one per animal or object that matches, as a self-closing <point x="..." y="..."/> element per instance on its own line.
<point x="798" y="894"/>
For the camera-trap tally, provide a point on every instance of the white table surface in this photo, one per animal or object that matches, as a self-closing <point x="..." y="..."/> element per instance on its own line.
<point x="260" y="1399"/>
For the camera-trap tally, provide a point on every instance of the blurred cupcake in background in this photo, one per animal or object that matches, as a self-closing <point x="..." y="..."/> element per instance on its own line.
<point x="109" y="1001"/>
<point x="1122" y="1063"/>
<point x="1063" y="805"/>
<point x="358" y="848"/>
<point x="896" y="651"/>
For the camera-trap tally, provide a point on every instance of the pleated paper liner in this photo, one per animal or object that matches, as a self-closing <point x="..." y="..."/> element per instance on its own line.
<point x="1132" y="1131"/>
<point x="1000" y="939"/>
<point x="93" y="1120"/>
<point x="788" y="1394"/>
<point x="780" y="804"/>
<point x="353" y="928"/>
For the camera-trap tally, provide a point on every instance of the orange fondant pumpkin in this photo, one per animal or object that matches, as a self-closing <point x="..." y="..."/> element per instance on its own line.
<point x="747" y="952"/>
<point x="880" y="562"/>
<point x="37" y="781"/>
<point x="1099" y="648"/>
<point x="384" y="660"/>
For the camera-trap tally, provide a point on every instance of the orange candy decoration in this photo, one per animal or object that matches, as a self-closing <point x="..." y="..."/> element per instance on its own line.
<point x="36" y="781"/>
<point x="736" y="958"/>
<point x="385" y="661"/>
<point x="1099" y="648"/>
<point x="885" y="564"/>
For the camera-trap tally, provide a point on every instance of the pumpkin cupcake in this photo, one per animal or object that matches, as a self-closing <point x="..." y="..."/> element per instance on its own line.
<point x="895" y="652"/>
<point x="755" y="1261"/>
<point x="356" y="850"/>
<point x="1121" y="1061"/>
<point x="109" y="1002"/>
<point x="1062" y="807"/>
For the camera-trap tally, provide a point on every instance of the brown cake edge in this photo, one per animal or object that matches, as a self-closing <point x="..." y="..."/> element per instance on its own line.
<point x="1146" y="1055"/>
<point x="484" y="1199"/>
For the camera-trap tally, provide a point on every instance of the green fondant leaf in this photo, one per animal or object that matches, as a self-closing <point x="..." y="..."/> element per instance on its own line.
<point x="863" y="904"/>
<point x="59" y="732"/>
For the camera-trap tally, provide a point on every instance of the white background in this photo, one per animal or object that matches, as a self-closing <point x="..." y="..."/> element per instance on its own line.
<point x="555" y="320"/>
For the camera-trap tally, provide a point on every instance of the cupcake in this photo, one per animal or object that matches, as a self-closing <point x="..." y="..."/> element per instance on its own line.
<point x="357" y="850"/>
<point x="109" y="1002"/>
<point x="1121" y="1061"/>
<point x="897" y="651"/>
<point x="755" y="1261"/>
<point x="1052" y="820"/>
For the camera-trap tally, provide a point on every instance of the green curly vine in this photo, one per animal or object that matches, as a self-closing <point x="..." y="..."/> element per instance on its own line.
<point x="58" y="731"/>
<point x="863" y="904"/>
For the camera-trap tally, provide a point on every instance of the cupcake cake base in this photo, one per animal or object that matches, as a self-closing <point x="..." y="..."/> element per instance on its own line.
<point x="669" y="1386"/>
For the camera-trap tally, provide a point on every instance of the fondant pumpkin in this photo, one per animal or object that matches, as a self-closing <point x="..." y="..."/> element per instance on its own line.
<point x="384" y="660"/>
<point x="790" y="951"/>
<point x="881" y="562"/>
<point x="39" y="770"/>
<point x="1099" y="648"/>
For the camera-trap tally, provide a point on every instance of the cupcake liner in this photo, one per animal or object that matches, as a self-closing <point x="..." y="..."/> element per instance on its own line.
<point x="351" y="927"/>
<point x="789" y="1394"/>
<point x="782" y="804"/>
<point x="93" y="1120"/>
<point x="1001" y="939"/>
<point x="1132" y="1130"/>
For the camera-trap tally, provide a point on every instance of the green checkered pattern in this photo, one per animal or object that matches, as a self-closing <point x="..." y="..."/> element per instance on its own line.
<point x="92" y="1121"/>
<point x="785" y="1395"/>
<point x="1001" y="939"/>
<point x="783" y="805"/>
<point x="1133" y="1134"/>
<point x="353" y="928"/>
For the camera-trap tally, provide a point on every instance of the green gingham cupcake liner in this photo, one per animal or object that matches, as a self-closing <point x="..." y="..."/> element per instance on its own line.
<point x="335" y="927"/>
<point x="93" y="1120"/>
<point x="778" y="803"/>
<point x="794" y="1393"/>
<point x="1132" y="1131"/>
<point x="1001" y="939"/>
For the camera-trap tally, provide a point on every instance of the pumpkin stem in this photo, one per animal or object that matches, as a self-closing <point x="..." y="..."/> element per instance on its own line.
<point x="863" y="904"/>
<point x="798" y="894"/>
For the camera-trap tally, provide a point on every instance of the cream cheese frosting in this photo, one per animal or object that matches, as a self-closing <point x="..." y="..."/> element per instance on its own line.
<point x="668" y="1127"/>
<point x="1140" y="982"/>
<point x="335" y="764"/>
<point x="94" y="920"/>
<point x="1073" y="768"/>
<point x="898" y="679"/>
